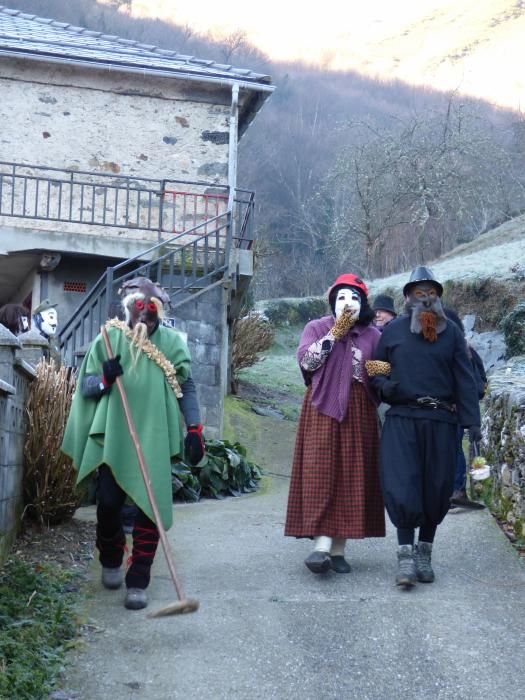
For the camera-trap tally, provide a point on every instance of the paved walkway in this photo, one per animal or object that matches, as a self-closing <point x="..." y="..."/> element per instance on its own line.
<point x="268" y="628"/>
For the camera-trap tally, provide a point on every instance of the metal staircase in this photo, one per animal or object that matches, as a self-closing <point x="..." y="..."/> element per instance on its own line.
<point x="196" y="234"/>
<point x="185" y="269"/>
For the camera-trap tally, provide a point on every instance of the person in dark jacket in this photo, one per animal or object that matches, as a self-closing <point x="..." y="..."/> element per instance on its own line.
<point x="423" y="371"/>
<point x="459" y="496"/>
<point x="384" y="311"/>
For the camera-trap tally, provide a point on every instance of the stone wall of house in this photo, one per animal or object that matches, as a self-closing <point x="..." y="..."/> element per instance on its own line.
<point x="112" y="123"/>
<point x="503" y="444"/>
<point x="17" y="363"/>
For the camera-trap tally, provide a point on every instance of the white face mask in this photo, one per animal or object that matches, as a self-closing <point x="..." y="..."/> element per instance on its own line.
<point x="347" y="297"/>
<point x="49" y="322"/>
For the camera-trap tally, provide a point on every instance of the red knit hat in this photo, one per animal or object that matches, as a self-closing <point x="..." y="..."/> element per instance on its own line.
<point x="348" y="281"/>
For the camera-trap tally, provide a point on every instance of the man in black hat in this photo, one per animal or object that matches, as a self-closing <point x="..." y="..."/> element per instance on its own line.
<point x="424" y="373"/>
<point x="384" y="311"/>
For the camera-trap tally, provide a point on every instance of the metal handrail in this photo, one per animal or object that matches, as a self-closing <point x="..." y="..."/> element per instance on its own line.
<point x="193" y="265"/>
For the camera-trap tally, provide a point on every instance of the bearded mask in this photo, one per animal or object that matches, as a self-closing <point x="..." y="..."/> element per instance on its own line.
<point x="143" y="307"/>
<point x="426" y="311"/>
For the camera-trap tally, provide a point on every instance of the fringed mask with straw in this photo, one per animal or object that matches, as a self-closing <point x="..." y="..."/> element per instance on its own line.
<point x="142" y="303"/>
<point x="426" y="311"/>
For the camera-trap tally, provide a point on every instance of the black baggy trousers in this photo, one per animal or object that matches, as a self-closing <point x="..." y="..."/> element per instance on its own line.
<point x="417" y="463"/>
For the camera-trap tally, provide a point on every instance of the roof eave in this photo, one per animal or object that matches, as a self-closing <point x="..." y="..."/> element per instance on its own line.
<point x="179" y="74"/>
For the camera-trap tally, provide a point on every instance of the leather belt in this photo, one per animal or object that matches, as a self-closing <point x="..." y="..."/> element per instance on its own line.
<point x="431" y="403"/>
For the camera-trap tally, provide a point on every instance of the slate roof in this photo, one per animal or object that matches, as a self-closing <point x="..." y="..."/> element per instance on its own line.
<point x="33" y="37"/>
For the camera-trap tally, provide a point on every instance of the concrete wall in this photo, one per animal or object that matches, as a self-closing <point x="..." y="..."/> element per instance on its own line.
<point x="16" y="372"/>
<point x="204" y="322"/>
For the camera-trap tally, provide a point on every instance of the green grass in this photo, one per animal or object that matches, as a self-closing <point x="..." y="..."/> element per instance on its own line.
<point x="37" y="624"/>
<point x="277" y="368"/>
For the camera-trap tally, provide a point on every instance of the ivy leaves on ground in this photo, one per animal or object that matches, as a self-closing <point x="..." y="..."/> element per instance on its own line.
<point x="224" y="471"/>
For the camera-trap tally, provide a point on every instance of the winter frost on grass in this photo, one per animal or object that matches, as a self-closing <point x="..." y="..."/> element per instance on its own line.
<point x="495" y="261"/>
<point x="278" y="368"/>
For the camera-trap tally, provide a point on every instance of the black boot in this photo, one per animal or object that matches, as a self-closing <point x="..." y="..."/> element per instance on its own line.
<point x="145" y="541"/>
<point x="111" y="555"/>
<point x="111" y="549"/>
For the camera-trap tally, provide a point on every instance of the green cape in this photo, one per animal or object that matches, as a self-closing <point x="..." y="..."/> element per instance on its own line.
<point x="96" y="432"/>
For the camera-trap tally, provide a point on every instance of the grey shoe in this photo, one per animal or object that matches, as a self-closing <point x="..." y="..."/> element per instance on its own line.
<point x="112" y="577"/>
<point x="318" y="562"/>
<point x="406" y="567"/>
<point x="422" y="557"/>
<point x="340" y="565"/>
<point x="136" y="599"/>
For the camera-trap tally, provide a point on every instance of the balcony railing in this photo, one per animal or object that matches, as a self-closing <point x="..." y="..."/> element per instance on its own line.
<point x="101" y="200"/>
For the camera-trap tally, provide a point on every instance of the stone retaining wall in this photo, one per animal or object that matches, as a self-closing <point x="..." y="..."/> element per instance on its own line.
<point x="504" y="444"/>
<point x="17" y="370"/>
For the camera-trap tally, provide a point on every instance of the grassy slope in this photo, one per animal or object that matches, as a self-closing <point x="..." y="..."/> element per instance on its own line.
<point x="277" y="369"/>
<point x="492" y="254"/>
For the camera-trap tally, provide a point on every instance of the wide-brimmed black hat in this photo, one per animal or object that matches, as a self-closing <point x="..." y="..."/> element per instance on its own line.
<point x="383" y="302"/>
<point x="422" y="274"/>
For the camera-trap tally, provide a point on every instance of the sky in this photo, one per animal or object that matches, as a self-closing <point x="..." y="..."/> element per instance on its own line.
<point x="290" y="29"/>
<point x="474" y="46"/>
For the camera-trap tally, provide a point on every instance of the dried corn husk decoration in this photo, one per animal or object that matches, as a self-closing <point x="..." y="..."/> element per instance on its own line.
<point x="49" y="477"/>
<point x="152" y="351"/>
<point x="376" y="368"/>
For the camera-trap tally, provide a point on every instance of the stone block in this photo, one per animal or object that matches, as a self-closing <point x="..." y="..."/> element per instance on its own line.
<point x="202" y="333"/>
<point x="204" y="353"/>
<point x="14" y="448"/>
<point x="5" y="525"/>
<point x="209" y="396"/>
<point x="206" y="375"/>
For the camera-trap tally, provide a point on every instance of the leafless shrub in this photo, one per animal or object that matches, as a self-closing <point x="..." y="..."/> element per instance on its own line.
<point x="251" y="335"/>
<point x="49" y="477"/>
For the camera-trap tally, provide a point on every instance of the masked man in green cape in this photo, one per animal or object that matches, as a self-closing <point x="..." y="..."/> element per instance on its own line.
<point x="154" y="364"/>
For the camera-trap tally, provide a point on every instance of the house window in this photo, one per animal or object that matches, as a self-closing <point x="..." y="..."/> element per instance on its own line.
<point x="79" y="287"/>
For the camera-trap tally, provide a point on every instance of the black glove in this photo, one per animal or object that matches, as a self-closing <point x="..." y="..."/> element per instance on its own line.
<point x="111" y="369"/>
<point x="474" y="433"/>
<point x="194" y="444"/>
<point x="388" y="390"/>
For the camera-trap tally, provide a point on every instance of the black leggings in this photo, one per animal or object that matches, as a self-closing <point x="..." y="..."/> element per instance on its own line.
<point x="110" y="535"/>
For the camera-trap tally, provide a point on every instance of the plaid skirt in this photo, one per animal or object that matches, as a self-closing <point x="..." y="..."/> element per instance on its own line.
<point x="335" y="489"/>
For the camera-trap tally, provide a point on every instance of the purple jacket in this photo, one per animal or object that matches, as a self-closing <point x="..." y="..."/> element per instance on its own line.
<point x="331" y="383"/>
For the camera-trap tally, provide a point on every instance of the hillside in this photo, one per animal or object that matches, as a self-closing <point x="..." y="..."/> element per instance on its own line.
<point x="491" y="255"/>
<point x="474" y="46"/>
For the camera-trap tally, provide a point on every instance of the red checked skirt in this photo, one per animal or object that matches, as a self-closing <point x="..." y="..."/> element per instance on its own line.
<point x="335" y="489"/>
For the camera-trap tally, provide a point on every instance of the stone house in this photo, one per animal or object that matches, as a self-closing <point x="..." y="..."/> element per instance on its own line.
<point x="110" y="148"/>
<point x="116" y="158"/>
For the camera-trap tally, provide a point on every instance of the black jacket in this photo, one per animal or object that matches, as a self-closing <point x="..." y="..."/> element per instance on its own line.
<point x="419" y="368"/>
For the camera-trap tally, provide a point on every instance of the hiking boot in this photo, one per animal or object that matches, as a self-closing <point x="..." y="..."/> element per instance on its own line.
<point x="136" y="599"/>
<point x="461" y="500"/>
<point x="406" y="567"/>
<point x="422" y="556"/>
<point x="318" y="562"/>
<point x="340" y="565"/>
<point x="112" y="577"/>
